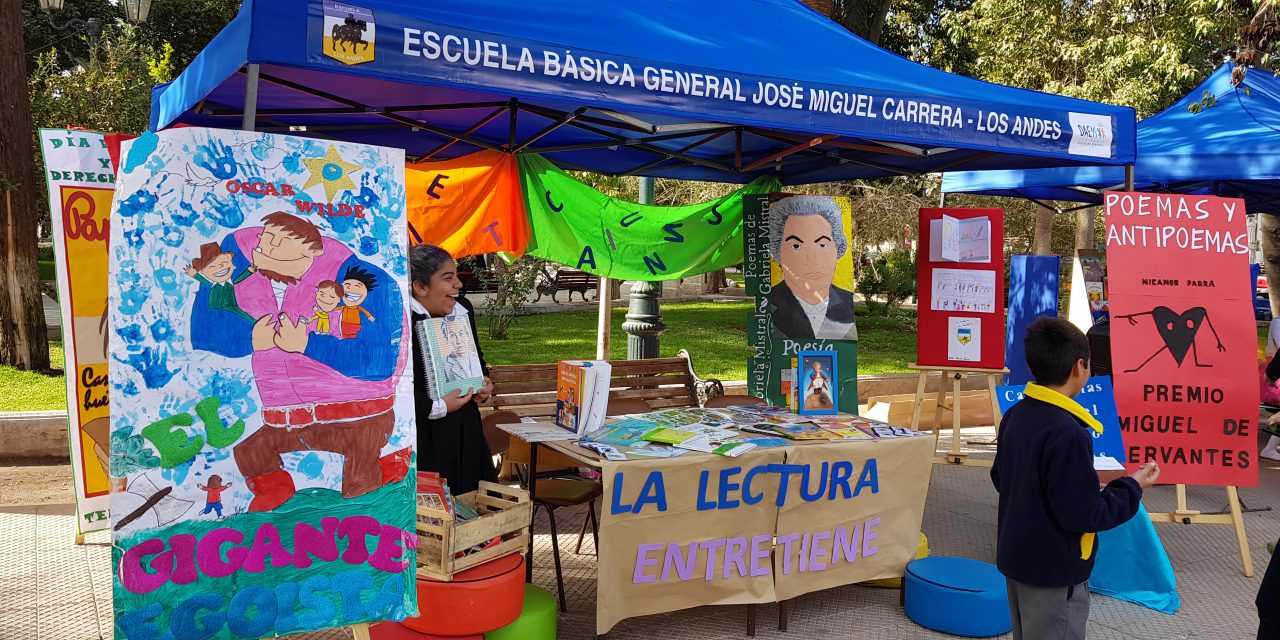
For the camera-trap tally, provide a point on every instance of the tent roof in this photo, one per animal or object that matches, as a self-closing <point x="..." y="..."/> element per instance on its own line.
<point x="448" y="78"/>
<point x="1231" y="148"/>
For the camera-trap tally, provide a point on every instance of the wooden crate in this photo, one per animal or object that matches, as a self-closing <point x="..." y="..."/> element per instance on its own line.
<point x="505" y="512"/>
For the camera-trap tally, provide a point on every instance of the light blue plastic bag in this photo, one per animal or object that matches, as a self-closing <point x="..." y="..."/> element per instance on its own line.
<point x="1133" y="566"/>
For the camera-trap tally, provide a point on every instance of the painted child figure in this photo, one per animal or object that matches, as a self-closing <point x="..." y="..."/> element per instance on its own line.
<point x="356" y="284"/>
<point x="328" y="294"/>
<point x="214" y="498"/>
<point x="214" y="269"/>
<point x="819" y="389"/>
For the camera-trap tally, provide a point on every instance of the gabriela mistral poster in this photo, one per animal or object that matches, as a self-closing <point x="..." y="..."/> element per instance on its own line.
<point x="262" y="406"/>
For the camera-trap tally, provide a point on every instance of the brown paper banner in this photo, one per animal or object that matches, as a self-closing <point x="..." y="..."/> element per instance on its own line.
<point x="672" y="531"/>
<point x="861" y="524"/>
<point x="728" y="508"/>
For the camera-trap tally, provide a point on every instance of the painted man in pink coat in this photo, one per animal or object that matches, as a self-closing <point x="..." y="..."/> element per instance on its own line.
<point x="319" y="392"/>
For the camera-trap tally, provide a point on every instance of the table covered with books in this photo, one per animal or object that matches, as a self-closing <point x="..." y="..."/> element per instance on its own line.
<point x="745" y="505"/>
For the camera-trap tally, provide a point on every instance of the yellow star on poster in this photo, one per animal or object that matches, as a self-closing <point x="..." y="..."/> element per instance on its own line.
<point x="332" y="171"/>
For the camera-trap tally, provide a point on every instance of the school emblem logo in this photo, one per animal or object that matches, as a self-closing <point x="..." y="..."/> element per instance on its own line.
<point x="349" y="33"/>
<point x="964" y="335"/>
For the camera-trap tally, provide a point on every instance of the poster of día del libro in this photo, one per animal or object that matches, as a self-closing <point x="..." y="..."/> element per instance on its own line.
<point x="262" y="418"/>
<point x="81" y="184"/>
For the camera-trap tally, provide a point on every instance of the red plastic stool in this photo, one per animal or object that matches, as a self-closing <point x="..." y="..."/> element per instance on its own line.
<point x="478" y="600"/>
<point x="397" y="631"/>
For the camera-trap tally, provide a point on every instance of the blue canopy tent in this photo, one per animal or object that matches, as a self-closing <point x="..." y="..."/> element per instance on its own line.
<point x="713" y="90"/>
<point x="1231" y="148"/>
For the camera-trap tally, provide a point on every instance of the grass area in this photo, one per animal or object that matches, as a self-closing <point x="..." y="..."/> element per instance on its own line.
<point x="28" y="391"/>
<point x="46" y="270"/>
<point x="714" y="332"/>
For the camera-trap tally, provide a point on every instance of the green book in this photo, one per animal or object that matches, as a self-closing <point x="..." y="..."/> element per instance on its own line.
<point x="668" y="436"/>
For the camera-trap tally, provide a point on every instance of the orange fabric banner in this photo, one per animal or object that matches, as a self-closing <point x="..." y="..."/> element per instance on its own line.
<point x="468" y="206"/>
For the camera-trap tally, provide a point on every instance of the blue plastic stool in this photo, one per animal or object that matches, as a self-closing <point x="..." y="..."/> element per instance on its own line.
<point x="958" y="596"/>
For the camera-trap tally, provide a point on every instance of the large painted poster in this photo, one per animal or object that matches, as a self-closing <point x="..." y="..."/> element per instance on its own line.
<point x="798" y="264"/>
<point x="1183" y="340"/>
<point x="263" y="408"/>
<point x="81" y="183"/>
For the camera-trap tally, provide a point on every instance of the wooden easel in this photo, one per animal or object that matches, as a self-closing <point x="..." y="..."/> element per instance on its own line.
<point x="954" y="456"/>
<point x="360" y="631"/>
<point x="1183" y="515"/>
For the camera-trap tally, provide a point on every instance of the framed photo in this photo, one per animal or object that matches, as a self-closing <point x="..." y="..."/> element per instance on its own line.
<point x="818" y="392"/>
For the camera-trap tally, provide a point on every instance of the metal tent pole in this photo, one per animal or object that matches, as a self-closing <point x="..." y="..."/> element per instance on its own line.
<point x="249" y="119"/>
<point x="1128" y="177"/>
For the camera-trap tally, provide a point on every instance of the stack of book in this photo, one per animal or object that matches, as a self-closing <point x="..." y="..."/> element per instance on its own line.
<point x="434" y="493"/>
<point x="582" y="394"/>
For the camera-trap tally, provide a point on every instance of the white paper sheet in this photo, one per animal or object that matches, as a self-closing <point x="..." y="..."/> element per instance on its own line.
<point x="968" y="290"/>
<point x="538" y="432"/>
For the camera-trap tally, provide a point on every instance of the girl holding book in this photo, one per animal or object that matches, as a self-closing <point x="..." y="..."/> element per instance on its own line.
<point x="450" y="436"/>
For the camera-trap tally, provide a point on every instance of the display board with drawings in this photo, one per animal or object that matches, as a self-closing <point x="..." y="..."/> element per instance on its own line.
<point x="961" y="288"/>
<point x="263" y="404"/>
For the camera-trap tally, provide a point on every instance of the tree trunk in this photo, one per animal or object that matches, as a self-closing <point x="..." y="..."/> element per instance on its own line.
<point x="1043" y="243"/>
<point x="24" y="341"/>
<point x="1269" y="230"/>
<point x="821" y="6"/>
<point x="875" y="26"/>
<point x="615" y="289"/>
<point x="1086" y="236"/>
<point x="714" y="282"/>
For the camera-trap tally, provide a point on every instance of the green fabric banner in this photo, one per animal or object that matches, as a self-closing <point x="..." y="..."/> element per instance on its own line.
<point x="578" y="226"/>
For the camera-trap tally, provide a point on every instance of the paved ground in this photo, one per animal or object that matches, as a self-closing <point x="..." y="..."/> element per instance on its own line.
<point x="51" y="589"/>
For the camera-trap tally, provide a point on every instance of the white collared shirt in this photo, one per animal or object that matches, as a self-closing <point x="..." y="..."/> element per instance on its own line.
<point x="817" y="314"/>
<point x="279" y="289"/>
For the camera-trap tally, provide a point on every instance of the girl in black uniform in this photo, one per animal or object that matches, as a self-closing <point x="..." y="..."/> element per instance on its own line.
<point x="450" y="437"/>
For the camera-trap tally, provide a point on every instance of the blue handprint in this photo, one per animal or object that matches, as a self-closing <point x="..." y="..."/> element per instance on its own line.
<point x="140" y="202"/>
<point x="187" y="218"/>
<point x="152" y="364"/>
<point x="217" y="158"/>
<point x="225" y="212"/>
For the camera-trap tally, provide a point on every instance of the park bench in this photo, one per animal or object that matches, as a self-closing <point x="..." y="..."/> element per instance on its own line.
<point x="530" y="389"/>
<point x="478" y="282"/>
<point x="566" y="280"/>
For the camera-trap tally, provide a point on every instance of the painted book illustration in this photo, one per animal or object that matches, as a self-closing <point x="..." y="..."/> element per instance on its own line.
<point x="449" y="356"/>
<point x="262" y="398"/>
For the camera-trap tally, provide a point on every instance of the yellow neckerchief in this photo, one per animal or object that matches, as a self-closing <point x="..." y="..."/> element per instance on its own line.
<point x="1047" y="395"/>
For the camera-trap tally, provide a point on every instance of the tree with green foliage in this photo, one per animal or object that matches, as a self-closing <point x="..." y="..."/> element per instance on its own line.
<point x="110" y="92"/>
<point x="1141" y="53"/>
<point x="185" y="25"/>
<point x="889" y="276"/>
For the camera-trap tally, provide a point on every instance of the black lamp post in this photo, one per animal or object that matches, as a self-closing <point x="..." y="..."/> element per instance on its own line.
<point x="134" y="11"/>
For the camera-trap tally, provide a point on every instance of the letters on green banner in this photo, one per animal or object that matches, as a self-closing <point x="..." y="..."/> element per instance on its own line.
<point x="575" y="225"/>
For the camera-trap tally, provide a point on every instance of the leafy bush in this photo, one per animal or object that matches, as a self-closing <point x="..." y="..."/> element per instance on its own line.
<point x="891" y="276"/>
<point x="514" y="282"/>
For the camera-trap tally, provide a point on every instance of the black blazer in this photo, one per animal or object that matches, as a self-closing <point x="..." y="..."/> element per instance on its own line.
<point x="789" y="319"/>
<point x="453" y="446"/>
